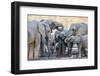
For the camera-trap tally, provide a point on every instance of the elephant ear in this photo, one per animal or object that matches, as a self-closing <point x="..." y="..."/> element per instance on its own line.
<point x="41" y="29"/>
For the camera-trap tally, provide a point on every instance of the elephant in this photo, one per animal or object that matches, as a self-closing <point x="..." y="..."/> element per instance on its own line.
<point x="78" y="29"/>
<point x="75" y="31"/>
<point x="59" y="43"/>
<point x="82" y="44"/>
<point x="37" y="31"/>
<point x="53" y="25"/>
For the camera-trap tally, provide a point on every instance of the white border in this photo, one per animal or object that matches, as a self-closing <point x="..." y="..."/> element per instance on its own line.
<point x="26" y="65"/>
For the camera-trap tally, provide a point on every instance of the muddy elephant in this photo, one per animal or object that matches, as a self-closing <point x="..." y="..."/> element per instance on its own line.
<point x="37" y="32"/>
<point x="75" y="33"/>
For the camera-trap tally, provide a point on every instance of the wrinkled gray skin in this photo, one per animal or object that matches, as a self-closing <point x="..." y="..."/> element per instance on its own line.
<point x="82" y="43"/>
<point x="52" y="43"/>
<point x="60" y="45"/>
<point x="37" y="29"/>
<point x="78" y="29"/>
<point x="40" y="32"/>
<point x="75" y="35"/>
<point x="53" y="25"/>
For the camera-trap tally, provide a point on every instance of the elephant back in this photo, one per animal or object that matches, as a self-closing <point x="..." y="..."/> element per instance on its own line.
<point x="79" y="28"/>
<point x="83" y="29"/>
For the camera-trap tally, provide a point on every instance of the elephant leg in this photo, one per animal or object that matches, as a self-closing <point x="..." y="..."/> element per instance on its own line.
<point x="84" y="52"/>
<point x="49" y="49"/>
<point x="80" y="50"/>
<point x="37" y="48"/>
<point x="30" y="52"/>
<point x="41" y="50"/>
<point x="70" y="49"/>
<point x="46" y="51"/>
<point x="58" y="51"/>
<point x="63" y="49"/>
<point x="44" y="46"/>
<point x="64" y="52"/>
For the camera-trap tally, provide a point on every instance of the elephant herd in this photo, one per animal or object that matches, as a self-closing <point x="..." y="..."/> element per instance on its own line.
<point x="44" y="42"/>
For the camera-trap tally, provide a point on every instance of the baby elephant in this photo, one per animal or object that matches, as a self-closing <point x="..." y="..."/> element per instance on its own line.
<point x="82" y="44"/>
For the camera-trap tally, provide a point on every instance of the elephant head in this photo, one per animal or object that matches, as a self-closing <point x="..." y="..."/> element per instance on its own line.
<point x="45" y="32"/>
<point x="78" y="29"/>
<point x="53" y="24"/>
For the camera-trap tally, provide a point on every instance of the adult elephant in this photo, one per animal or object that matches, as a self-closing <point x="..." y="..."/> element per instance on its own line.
<point x="75" y="32"/>
<point x="37" y="32"/>
<point x="53" y="25"/>
<point x="40" y="32"/>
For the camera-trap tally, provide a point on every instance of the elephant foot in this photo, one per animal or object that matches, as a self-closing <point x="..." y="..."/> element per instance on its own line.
<point x="84" y="55"/>
<point x="69" y="55"/>
<point x="30" y="57"/>
<point x="64" y="55"/>
<point x="80" y="56"/>
<point x="58" y="56"/>
<point x="36" y="59"/>
<point x="41" y="56"/>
